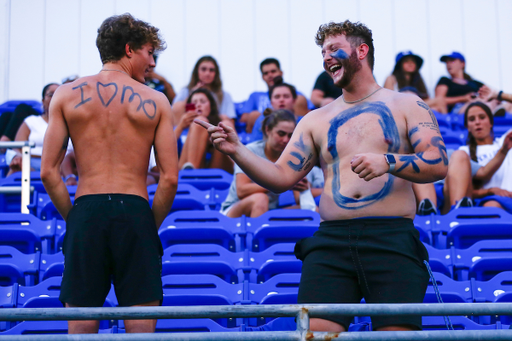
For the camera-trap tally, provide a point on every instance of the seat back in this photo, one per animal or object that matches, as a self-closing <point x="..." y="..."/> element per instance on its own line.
<point x="205" y="179"/>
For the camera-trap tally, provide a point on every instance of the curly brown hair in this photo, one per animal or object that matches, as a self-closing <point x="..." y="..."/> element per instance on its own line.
<point x="356" y="33"/>
<point x="118" y="30"/>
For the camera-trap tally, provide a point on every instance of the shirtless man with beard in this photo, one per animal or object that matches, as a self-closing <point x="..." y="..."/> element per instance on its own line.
<point x="113" y="120"/>
<point x="372" y="143"/>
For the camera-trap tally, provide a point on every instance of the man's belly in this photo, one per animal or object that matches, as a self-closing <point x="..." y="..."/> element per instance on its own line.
<point x="346" y="196"/>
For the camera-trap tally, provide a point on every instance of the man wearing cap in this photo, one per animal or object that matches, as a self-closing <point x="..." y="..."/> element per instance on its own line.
<point x="460" y="87"/>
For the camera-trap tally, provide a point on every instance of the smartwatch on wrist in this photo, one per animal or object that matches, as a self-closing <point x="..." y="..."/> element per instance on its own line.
<point x="390" y="159"/>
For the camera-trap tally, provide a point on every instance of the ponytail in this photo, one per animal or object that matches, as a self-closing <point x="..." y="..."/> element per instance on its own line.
<point x="272" y="118"/>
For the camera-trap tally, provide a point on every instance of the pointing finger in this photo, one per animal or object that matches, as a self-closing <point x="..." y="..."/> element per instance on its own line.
<point x="203" y="124"/>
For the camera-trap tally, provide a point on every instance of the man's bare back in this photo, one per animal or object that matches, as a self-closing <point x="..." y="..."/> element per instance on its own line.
<point x="112" y="121"/>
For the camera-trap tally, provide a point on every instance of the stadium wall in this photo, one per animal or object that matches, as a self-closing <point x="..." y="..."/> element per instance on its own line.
<point x="44" y="41"/>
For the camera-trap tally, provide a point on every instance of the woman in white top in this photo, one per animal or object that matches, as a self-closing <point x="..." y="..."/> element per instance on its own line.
<point x="33" y="130"/>
<point x="496" y="187"/>
<point x="206" y="74"/>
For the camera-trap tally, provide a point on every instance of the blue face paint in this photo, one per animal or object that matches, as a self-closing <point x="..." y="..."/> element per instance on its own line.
<point x="391" y="135"/>
<point x="339" y="55"/>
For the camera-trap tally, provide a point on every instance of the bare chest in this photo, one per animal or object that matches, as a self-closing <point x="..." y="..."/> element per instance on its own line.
<point x="370" y="127"/>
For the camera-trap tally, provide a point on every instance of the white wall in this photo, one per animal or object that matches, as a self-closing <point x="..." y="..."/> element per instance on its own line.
<point x="45" y="41"/>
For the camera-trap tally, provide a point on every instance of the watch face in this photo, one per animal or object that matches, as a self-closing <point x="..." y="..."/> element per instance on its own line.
<point x="390" y="158"/>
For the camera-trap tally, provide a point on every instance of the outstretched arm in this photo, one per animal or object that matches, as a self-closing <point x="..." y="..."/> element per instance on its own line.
<point x="295" y="162"/>
<point x="486" y="172"/>
<point x="54" y="149"/>
<point x="429" y="162"/>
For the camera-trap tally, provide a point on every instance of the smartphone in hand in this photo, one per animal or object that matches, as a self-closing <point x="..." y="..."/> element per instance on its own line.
<point x="190" y="107"/>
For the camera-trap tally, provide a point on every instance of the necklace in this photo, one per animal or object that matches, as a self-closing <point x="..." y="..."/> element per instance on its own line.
<point x="115" y="70"/>
<point x="359" y="100"/>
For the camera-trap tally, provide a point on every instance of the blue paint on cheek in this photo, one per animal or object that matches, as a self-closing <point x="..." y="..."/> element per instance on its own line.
<point x="391" y="136"/>
<point x="339" y="55"/>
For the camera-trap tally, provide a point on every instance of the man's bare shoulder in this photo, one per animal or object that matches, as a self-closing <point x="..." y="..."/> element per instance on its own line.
<point x="400" y="99"/>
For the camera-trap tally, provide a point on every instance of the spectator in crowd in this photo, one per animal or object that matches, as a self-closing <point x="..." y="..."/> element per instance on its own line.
<point x="197" y="142"/>
<point x="282" y="96"/>
<point x="406" y="75"/>
<point x="503" y="100"/>
<point x="495" y="188"/>
<point x="324" y="91"/>
<point x="159" y="83"/>
<point x="480" y="170"/>
<point x="206" y="74"/>
<point x="248" y="198"/>
<point x="258" y="101"/>
<point x="457" y="90"/>
<point x="32" y="129"/>
<point x="457" y="189"/>
<point x="10" y="122"/>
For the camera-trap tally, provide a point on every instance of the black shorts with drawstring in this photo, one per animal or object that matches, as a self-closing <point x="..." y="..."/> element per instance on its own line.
<point x="378" y="259"/>
<point x="111" y="238"/>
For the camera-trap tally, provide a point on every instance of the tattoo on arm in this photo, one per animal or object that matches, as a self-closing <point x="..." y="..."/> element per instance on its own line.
<point x="82" y="100"/>
<point x="435" y="125"/>
<point x="304" y="163"/>
<point x="436" y="141"/>
<point x="408" y="160"/>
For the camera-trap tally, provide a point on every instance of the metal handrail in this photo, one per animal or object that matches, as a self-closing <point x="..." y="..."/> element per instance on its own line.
<point x="301" y="312"/>
<point x="25" y="172"/>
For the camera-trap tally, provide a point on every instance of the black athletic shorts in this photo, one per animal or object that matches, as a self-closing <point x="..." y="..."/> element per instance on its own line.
<point x="111" y="237"/>
<point x="380" y="259"/>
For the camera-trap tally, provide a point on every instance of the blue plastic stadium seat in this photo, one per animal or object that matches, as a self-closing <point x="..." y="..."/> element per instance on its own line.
<point x="43" y="207"/>
<point x="201" y="227"/>
<point x="205" y="179"/>
<point x="465" y="226"/>
<point x="189" y="290"/>
<point x="280" y="289"/>
<point x="440" y="260"/>
<point x="458" y="322"/>
<point x="486" y="268"/>
<point x="26" y="232"/>
<point x="17" y="267"/>
<point x="280" y="226"/>
<point x="189" y="198"/>
<point x="463" y="259"/>
<point x="51" y="266"/>
<point x="4" y="167"/>
<point x="12" y="202"/>
<point x="451" y="291"/>
<point x="204" y="259"/>
<point x="12" y="104"/>
<point x="186" y="326"/>
<point x="277" y="259"/>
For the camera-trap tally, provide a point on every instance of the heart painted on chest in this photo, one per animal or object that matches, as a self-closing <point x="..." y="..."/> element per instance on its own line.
<point x="103" y="89"/>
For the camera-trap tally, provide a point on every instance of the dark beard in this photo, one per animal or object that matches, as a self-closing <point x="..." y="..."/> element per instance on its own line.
<point x="350" y="67"/>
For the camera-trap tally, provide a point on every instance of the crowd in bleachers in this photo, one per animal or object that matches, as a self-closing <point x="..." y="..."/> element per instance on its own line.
<point x="232" y="249"/>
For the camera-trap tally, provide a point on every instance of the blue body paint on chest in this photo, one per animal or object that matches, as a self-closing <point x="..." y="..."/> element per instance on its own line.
<point x="391" y="135"/>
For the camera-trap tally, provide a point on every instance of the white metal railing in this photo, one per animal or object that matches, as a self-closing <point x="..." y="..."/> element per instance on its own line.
<point x="25" y="173"/>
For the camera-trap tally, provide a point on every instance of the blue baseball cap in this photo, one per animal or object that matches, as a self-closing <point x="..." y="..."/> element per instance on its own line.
<point x="453" y="55"/>
<point x="401" y="55"/>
